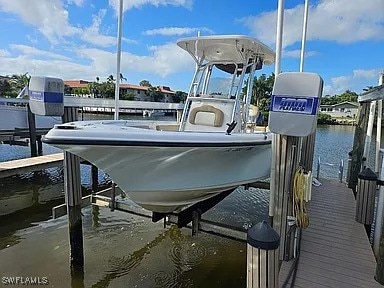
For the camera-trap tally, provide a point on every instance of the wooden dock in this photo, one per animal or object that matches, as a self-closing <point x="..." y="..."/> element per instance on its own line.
<point x="335" y="251"/>
<point x="26" y="165"/>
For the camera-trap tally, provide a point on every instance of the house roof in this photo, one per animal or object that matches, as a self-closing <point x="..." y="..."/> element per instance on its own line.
<point x="340" y="104"/>
<point x="83" y="83"/>
<point x="76" y="83"/>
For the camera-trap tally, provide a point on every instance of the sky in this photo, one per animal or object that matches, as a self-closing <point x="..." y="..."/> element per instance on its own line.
<point x="76" y="39"/>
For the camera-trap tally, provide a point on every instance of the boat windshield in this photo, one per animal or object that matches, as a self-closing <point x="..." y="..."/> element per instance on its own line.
<point x="218" y="83"/>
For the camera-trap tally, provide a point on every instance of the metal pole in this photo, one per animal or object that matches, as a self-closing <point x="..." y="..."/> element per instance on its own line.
<point x="303" y="39"/>
<point x="379" y="213"/>
<point x="279" y="37"/>
<point x="318" y="169"/>
<point x="368" y="139"/>
<point x="378" y="131"/>
<point x="341" y="170"/>
<point x="117" y="87"/>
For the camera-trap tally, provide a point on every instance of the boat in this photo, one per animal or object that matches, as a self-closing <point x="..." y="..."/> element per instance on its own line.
<point x="12" y="117"/>
<point x="167" y="168"/>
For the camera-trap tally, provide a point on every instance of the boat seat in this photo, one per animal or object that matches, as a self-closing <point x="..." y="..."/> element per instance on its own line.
<point x="206" y="115"/>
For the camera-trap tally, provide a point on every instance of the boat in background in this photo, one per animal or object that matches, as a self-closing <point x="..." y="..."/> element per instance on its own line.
<point x="12" y="117"/>
<point x="166" y="168"/>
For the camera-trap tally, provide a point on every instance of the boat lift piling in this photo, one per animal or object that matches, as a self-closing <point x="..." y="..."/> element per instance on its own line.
<point x="358" y="145"/>
<point x="374" y="94"/>
<point x="32" y="133"/>
<point x="72" y="189"/>
<point x="292" y="116"/>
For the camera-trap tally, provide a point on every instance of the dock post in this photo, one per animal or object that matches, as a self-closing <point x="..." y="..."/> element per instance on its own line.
<point x="307" y="152"/>
<point x="378" y="237"/>
<point x="287" y="161"/>
<point x="113" y="196"/>
<point x="349" y="166"/>
<point x="32" y="132"/>
<point x="358" y="145"/>
<point x="39" y="146"/>
<point x="365" y="198"/>
<point x="262" y="256"/>
<point x="94" y="178"/>
<point x="379" y="276"/>
<point x="72" y="188"/>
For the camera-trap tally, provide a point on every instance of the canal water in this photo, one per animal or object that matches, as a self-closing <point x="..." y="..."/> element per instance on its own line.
<point x="123" y="250"/>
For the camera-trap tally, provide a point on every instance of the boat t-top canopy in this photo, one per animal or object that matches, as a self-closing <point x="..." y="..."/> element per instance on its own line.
<point x="237" y="49"/>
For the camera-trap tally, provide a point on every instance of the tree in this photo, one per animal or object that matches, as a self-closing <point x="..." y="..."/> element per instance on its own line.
<point x="110" y="78"/>
<point x="262" y="87"/>
<point x="179" y="96"/>
<point x="122" y="78"/>
<point x="6" y="88"/>
<point x="128" y="96"/>
<point x="348" y="96"/>
<point x="145" y="83"/>
<point x="154" y="94"/>
<point x="97" y="79"/>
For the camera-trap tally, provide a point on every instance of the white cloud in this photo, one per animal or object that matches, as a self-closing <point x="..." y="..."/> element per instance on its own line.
<point x="32" y="51"/>
<point x="297" y="53"/>
<point x="341" y="21"/>
<point x="357" y="81"/>
<point x="162" y="61"/>
<point x="92" y="34"/>
<point x="76" y="2"/>
<point x="4" y="53"/>
<point x="49" y="16"/>
<point x="171" y="31"/>
<point x="129" y="4"/>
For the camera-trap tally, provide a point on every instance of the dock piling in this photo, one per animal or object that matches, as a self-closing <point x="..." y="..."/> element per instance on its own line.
<point x="72" y="188"/>
<point x="262" y="256"/>
<point x="32" y="132"/>
<point x="358" y="145"/>
<point x="287" y="161"/>
<point x="365" y="198"/>
<point x="94" y="178"/>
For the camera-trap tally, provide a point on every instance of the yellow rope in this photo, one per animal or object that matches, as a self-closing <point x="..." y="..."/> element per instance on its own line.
<point x="299" y="204"/>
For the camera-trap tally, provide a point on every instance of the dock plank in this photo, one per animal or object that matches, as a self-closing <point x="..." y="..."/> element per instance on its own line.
<point x="335" y="250"/>
<point x="9" y="168"/>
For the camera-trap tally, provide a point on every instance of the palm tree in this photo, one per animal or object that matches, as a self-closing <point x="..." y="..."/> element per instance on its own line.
<point x="110" y="78"/>
<point x="145" y="83"/>
<point x="122" y="78"/>
<point x="19" y="81"/>
<point x="97" y="79"/>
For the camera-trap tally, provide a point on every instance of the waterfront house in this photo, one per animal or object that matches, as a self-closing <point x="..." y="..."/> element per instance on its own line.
<point x="340" y="110"/>
<point x="81" y="88"/>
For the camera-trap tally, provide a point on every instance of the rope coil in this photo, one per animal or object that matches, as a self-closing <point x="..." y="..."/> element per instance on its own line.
<point x="300" y="191"/>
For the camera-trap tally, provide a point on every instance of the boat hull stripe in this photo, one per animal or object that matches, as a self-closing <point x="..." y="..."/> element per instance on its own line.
<point x="152" y="143"/>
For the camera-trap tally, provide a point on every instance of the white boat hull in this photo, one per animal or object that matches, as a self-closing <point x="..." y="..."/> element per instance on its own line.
<point x="167" y="171"/>
<point x="12" y="117"/>
<point x="165" y="179"/>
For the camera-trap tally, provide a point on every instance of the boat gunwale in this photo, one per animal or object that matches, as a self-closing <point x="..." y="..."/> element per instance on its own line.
<point x="130" y="143"/>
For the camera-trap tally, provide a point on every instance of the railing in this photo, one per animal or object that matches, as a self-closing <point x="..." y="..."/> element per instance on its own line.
<point x="341" y="168"/>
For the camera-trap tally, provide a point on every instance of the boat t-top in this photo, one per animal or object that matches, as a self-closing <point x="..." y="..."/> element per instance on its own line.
<point x="166" y="168"/>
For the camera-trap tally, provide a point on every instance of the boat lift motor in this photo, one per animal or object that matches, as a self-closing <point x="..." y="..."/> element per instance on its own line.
<point x="294" y="103"/>
<point x="46" y="96"/>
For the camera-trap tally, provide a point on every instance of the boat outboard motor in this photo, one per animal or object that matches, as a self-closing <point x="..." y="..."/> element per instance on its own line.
<point x="231" y="127"/>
